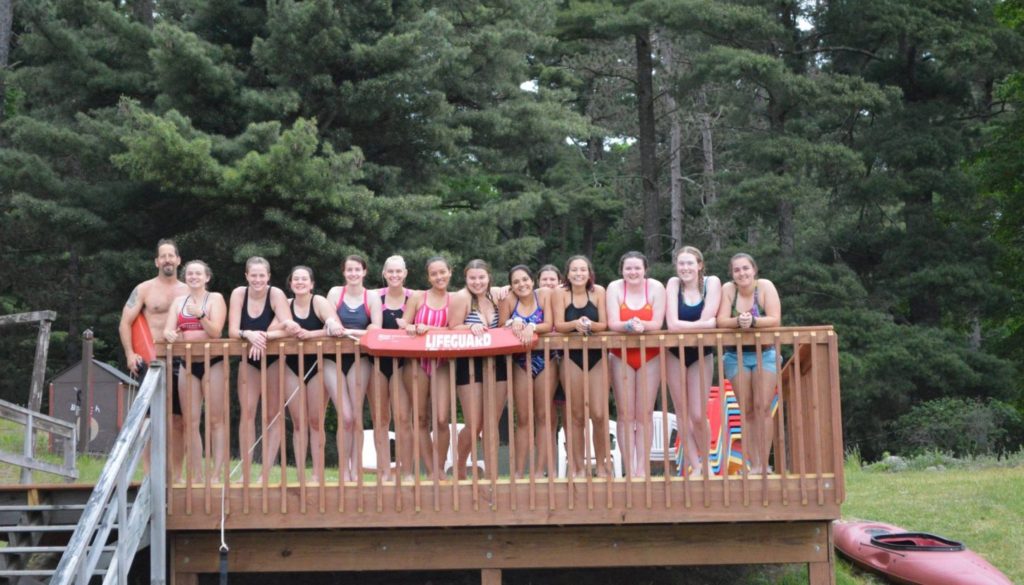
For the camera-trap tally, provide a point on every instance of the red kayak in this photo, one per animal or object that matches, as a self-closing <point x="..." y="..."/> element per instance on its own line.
<point x="915" y="558"/>
<point x="440" y="343"/>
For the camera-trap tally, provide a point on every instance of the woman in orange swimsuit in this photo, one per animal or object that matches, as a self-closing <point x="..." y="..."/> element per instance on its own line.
<point x="635" y="304"/>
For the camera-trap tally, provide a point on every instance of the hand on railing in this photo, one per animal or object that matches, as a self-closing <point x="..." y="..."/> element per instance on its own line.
<point x="524" y="331"/>
<point x="257" y="341"/>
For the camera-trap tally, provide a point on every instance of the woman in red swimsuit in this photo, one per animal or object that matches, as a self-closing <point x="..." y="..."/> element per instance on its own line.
<point x="200" y="316"/>
<point x="635" y="304"/>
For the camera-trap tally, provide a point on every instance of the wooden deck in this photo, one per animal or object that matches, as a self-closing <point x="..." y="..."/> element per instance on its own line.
<point x="783" y="516"/>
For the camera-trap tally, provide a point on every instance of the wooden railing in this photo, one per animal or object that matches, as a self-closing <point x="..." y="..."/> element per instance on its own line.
<point x="805" y="482"/>
<point x="63" y="431"/>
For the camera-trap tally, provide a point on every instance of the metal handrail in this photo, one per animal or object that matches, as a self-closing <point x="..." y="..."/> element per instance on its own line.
<point x="109" y="499"/>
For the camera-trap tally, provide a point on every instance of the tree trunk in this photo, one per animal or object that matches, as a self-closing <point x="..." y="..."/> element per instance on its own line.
<point x="787" y="229"/>
<point x="676" y="173"/>
<point x="143" y="11"/>
<point x="665" y="50"/>
<point x="72" y="345"/>
<point x="6" y="22"/>
<point x="647" y="138"/>
<point x="710" y="196"/>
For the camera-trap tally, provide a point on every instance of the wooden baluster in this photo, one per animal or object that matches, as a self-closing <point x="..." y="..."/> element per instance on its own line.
<point x="204" y="389"/>
<point x="816" y="417"/>
<point x="798" y="420"/>
<point x="780" y="450"/>
<point x="704" y="448"/>
<point x="837" y="420"/>
<point x="339" y="436"/>
<point x="302" y="444"/>
<point x="724" y="436"/>
<point x="666" y="430"/>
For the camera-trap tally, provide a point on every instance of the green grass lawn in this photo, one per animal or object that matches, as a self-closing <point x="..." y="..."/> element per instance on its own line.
<point x="983" y="507"/>
<point x="979" y="502"/>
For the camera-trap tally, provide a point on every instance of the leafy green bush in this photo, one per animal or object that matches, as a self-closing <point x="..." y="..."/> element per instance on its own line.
<point x="960" y="427"/>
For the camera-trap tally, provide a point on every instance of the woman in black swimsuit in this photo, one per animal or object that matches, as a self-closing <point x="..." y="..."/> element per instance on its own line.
<point x="315" y="318"/>
<point x="580" y="308"/>
<point x="387" y="391"/>
<point x="266" y="302"/>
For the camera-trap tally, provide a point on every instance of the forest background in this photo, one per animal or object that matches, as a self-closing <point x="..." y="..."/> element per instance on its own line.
<point x="868" y="153"/>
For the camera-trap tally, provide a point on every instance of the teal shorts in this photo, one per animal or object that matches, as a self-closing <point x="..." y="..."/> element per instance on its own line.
<point x="768" y="359"/>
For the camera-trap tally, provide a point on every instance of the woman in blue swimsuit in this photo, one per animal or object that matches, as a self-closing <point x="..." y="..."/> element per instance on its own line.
<point x="358" y="311"/>
<point x="749" y="302"/>
<point x="527" y="311"/>
<point x="691" y="303"/>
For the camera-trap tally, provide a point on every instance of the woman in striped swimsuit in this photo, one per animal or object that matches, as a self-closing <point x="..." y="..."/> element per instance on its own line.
<point x="358" y="311"/>
<point x="429" y="309"/>
<point x="474" y="308"/>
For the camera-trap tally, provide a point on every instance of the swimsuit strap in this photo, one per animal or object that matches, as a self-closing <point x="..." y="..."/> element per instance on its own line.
<point x="341" y="298"/>
<point x="366" y="305"/>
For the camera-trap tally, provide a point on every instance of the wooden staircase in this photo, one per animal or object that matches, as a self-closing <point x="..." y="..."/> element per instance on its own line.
<point x="36" y="523"/>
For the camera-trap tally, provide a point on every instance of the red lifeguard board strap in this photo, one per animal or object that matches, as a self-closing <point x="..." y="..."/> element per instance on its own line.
<point x="442" y="343"/>
<point x="142" y="339"/>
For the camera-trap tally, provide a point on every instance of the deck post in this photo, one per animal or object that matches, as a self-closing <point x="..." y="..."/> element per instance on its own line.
<point x="824" y="572"/>
<point x="490" y="577"/>
<point x="158" y="477"/>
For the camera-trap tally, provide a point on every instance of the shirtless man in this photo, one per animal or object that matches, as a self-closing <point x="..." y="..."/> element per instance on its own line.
<point x="154" y="298"/>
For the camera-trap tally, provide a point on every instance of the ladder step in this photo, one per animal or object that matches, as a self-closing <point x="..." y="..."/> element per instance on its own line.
<point x="40" y="528"/>
<point x="41" y="507"/>
<point x="39" y="572"/>
<point x="21" y="550"/>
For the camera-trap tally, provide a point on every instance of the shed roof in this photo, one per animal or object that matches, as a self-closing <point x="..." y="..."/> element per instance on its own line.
<point x="116" y="373"/>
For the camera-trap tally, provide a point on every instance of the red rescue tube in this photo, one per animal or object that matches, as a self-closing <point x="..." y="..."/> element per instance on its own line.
<point x="440" y="343"/>
<point x="913" y="557"/>
<point x="142" y="339"/>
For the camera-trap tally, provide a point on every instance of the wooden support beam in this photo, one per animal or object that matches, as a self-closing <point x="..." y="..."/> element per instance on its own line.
<point x="32" y="317"/>
<point x="35" y="391"/>
<point x="509" y="548"/>
<point x="490" y="577"/>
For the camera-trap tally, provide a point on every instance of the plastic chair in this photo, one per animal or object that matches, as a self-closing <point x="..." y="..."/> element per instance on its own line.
<point x="613" y="438"/>
<point x="658" y="441"/>
<point x="449" y="461"/>
<point x="370" y="451"/>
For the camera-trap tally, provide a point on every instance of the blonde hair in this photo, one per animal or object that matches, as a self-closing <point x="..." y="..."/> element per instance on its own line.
<point x="396" y="259"/>
<point x="700" y="260"/>
<point x="254" y="260"/>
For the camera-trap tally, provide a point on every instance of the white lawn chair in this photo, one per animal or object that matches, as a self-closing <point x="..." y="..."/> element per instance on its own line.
<point x="370" y="451"/>
<point x="613" y="437"/>
<point x="658" y="441"/>
<point x="449" y="461"/>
